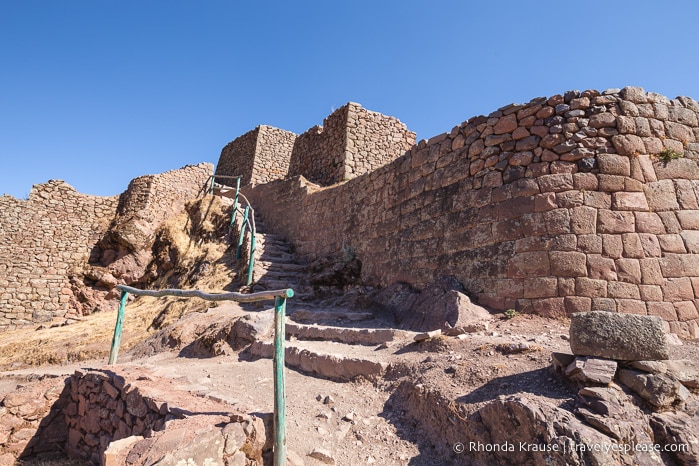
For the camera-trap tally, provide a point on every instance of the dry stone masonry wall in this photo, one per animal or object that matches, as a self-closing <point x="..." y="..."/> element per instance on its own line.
<point x="116" y="417"/>
<point x="150" y="199"/>
<point x="238" y="157"/>
<point x="260" y="155"/>
<point x="42" y="239"/>
<point x="373" y="140"/>
<point x="47" y="241"/>
<point x="565" y="204"/>
<point x="351" y="142"/>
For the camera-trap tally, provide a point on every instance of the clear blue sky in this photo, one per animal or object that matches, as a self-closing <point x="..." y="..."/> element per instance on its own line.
<point x="99" y="92"/>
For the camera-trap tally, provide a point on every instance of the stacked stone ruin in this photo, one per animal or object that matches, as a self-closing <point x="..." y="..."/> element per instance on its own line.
<point x="613" y="350"/>
<point x="576" y="202"/>
<point x="572" y="203"/>
<point x="50" y="242"/>
<point x="97" y="416"/>
<point x="352" y="141"/>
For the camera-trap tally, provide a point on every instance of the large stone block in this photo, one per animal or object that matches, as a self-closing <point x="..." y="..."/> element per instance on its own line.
<point x="568" y="264"/>
<point x="611" y="335"/>
<point x="609" y="221"/>
<point x="682" y="168"/>
<point x="661" y="196"/>
<point x="612" y="164"/>
<point x="628" y="144"/>
<point x="629" y="201"/>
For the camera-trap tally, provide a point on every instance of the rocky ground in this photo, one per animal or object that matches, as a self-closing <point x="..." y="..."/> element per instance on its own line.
<point x="422" y="400"/>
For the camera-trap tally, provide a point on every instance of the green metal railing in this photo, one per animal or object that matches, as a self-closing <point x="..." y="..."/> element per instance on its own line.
<point x="248" y="222"/>
<point x="249" y="225"/>
<point x="279" y="296"/>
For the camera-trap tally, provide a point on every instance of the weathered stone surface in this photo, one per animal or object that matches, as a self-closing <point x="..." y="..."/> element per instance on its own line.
<point x="441" y="305"/>
<point x="686" y="371"/>
<point x="611" y="411"/>
<point x="628" y="144"/>
<point x="118" y="450"/>
<point x="678" y="428"/>
<point x="590" y="370"/>
<point x="618" y="336"/>
<point x="659" y="390"/>
<point x="323" y="455"/>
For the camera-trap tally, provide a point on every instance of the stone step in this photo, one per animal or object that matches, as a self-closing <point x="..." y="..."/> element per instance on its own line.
<point x="286" y="266"/>
<point x="326" y="316"/>
<point x="331" y="360"/>
<point x="263" y="244"/>
<point x="280" y="258"/>
<point x="275" y="284"/>
<point x="361" y="336"/>
<point x="272" y="276"/>
<point x="278" y="269"/>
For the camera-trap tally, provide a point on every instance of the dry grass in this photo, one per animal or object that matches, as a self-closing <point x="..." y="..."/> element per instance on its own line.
<point x="91" y="338"/>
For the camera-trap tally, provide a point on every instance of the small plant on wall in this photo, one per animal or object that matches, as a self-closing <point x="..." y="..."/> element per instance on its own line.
<point x="669" y="154"/>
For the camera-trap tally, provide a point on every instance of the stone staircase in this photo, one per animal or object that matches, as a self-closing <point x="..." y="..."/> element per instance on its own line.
<point x="339" y="344"/>
<point x="276" y="266"/>
<point x="336" y="343"/>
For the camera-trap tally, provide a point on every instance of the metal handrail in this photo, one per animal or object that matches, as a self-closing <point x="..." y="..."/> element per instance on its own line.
<point x="279" y="296"/>
<point x="248" y="222"/>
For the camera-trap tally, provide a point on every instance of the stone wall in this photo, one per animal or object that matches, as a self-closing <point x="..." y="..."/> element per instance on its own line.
<point x="42" y="239"/>
<point x="373" y="140"/>
<point x="105" y="416"/>
<point x="559" y="205"/>
<point x="150" y="199"/>
<point x="260" y="155"/>
<point x="352" y="141"/>
<point x="274" y="147"/>
<point x="238" y="157"/>
<point x="48" y="240"/>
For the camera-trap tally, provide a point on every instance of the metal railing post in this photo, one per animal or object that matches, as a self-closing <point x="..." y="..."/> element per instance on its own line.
<point x="239" y="249"/>
<point x="251" y="263"/>
<point x="211" y="188"/>
<point x="235" y="201"/>
<point x="116" y="339"/>
<point x="279" y="381"/>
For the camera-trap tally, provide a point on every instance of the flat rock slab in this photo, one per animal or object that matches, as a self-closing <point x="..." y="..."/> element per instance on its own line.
<point x="611" y="335"/>
<point x="592" y="370"/>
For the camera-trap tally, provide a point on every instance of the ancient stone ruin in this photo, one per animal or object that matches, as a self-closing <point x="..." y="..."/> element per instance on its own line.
<point x="581" y="206"/>
<point x="577" y="202"/>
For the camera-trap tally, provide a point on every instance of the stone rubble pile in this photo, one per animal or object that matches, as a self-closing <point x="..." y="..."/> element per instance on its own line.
<point x="622" y="364"/>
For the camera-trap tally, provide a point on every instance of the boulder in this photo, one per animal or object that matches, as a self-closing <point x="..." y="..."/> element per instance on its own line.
<point x="441" y="305"/>
<point x="611" y="335"/>
<point x="657" y="389"/>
